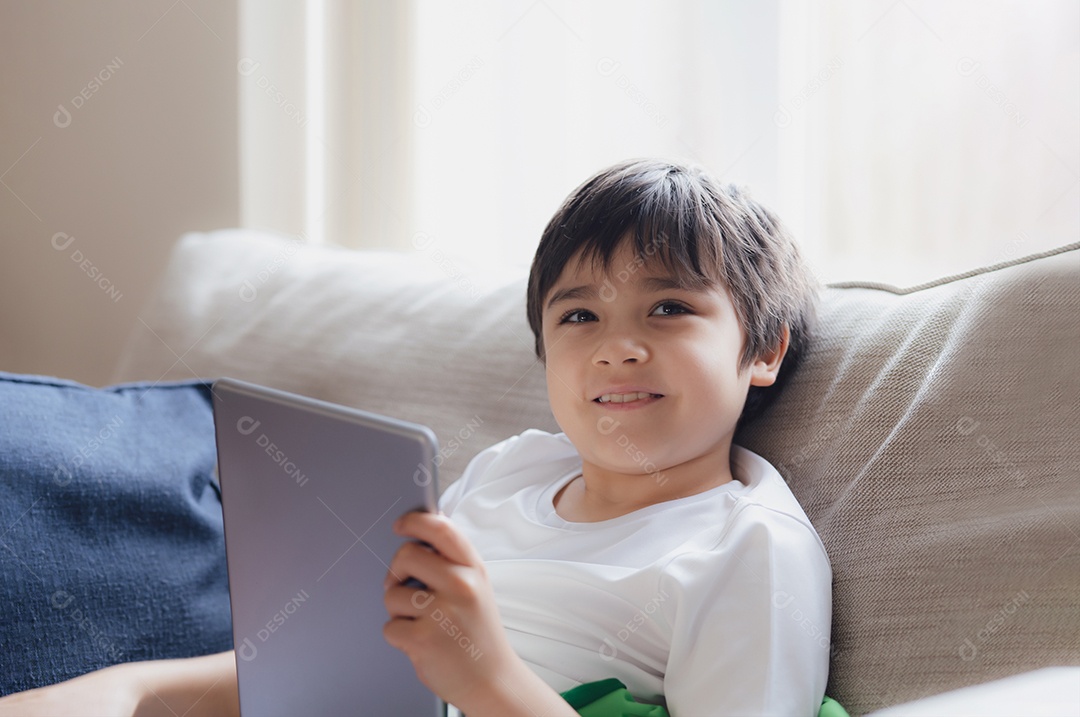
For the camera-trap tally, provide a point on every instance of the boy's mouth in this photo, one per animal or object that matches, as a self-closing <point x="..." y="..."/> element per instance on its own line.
<point x="626" y="397"/>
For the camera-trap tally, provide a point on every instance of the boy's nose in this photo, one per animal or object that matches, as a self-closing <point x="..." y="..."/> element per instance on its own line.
<point x="619" y="350"/>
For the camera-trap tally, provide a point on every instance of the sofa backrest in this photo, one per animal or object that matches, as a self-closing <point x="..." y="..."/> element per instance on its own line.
<point x="931" y="434"/>
<point x="403" y="335"/>
<point x="932" y="437"/>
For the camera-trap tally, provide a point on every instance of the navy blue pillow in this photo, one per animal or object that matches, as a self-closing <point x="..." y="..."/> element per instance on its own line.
<point x="111" y="542"/>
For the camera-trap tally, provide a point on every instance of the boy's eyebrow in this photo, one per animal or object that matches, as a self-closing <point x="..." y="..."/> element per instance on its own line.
<point x="662" y="283"/>
<point x="577" y="292"/>
<point x="648" y="283"/>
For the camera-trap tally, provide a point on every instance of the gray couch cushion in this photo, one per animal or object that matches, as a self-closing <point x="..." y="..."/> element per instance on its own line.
<point x="931" y="434"/>
<point x="410" y="336"/>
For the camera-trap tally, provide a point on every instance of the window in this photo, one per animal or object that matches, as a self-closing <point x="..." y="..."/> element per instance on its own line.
<point x="901" y="140"/>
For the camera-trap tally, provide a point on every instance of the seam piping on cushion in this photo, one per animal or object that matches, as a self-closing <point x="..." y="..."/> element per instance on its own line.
<point x="954" y="277"/>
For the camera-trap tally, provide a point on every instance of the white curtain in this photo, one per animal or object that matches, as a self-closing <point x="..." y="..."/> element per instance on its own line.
<point x="325" y="98"/>
<point x="900" y="139"/>
<point x="930" y="137"/>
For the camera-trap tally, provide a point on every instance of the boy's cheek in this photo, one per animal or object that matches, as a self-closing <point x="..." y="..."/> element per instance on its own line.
<point x="559" y="379"/>
<point x="568" y="409"/>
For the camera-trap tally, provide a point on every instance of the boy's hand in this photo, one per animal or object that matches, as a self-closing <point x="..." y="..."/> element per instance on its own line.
<point x="449" y="628"/>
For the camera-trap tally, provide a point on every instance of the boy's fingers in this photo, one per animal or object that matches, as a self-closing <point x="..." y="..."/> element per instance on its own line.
<point x="403" y="601"/>
<point x="413" y="560"/>
<point x="436" y="530"/>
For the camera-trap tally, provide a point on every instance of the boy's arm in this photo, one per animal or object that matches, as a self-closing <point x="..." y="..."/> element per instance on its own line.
<point x="193" y="686"/>
<point x="450" y="627"/>
<point x="751" y="632"/>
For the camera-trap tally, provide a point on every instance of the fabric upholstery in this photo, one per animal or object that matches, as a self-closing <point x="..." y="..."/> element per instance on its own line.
<point x="391" y="333"/>
<point x="932" y="438"/>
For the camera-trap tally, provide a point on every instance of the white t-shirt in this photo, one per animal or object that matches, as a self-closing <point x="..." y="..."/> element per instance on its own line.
<point x="714" y="604"/>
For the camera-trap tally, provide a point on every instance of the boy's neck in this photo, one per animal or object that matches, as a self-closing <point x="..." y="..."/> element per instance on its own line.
<point x="599" y="494"/>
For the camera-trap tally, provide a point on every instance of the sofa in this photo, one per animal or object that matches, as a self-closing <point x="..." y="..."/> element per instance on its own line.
<point x="931" y="433"/>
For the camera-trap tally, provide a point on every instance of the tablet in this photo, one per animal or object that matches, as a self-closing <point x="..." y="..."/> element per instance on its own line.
<point x="309" y="492"/>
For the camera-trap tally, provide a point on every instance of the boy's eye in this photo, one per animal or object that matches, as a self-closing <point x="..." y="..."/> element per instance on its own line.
<point x="669" y="308"/>
<point x="577" y="316"/>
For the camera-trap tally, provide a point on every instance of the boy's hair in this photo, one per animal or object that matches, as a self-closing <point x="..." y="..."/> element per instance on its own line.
<point x="705" y="233"/>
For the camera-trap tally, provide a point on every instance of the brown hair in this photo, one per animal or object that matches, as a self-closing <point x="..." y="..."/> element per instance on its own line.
<point x="705" y="233"/>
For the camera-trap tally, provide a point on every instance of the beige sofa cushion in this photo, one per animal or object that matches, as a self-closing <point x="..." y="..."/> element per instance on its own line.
<point x="411" y="336"/>
<point x="930" y="434"/>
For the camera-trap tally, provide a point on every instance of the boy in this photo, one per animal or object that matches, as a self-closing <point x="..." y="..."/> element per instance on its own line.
<point x="639" y="544"/>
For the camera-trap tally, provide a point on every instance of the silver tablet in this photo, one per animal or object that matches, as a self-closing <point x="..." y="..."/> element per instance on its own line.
<point x="309" y="492"/>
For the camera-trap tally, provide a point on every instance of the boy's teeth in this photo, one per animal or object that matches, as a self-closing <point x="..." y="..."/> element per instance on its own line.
<point x="624" y="397"/>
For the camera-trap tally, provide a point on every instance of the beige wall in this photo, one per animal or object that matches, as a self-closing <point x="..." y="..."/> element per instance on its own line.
<point x="95" y="192"/>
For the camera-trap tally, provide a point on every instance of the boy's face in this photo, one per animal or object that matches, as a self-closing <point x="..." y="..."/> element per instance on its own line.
<point x="643" y="376"/>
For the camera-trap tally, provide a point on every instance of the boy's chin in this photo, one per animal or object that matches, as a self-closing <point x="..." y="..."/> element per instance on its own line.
<point x="640" y="464"/>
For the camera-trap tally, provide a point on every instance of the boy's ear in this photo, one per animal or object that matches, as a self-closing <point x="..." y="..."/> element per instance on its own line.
<point x="764" y="369"/>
